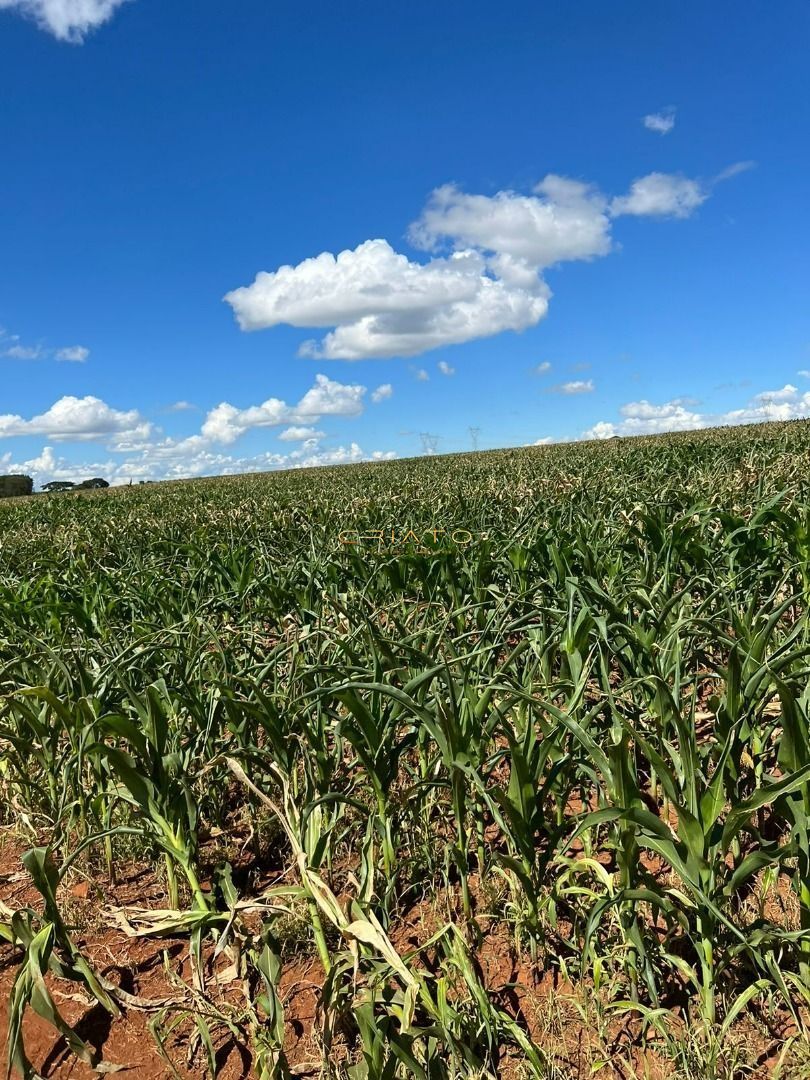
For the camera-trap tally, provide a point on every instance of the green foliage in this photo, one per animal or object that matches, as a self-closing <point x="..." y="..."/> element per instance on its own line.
<point x="14" y="485"/>
<point x="55" y="486"/>
<point x="589" y="719"/>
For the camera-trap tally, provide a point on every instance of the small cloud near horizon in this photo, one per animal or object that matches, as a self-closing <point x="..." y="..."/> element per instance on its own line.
<point x="575" y="386"/>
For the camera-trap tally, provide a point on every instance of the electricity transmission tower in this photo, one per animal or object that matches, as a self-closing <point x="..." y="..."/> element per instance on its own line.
<point x="474" y="433"/>
<point x="429" y="442"/>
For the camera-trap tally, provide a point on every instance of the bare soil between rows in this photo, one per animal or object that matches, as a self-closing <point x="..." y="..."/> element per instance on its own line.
<point x="151" y="968"/>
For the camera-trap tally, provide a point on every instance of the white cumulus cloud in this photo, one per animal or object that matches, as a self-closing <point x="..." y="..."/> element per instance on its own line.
<point x="787" y="393"/>
<point x="382" y="304"/>
<point x="13" y="348"/>
<point x="68" y="20"/>
<point x="225" y="423"/>
<point x="661" y="122"/>
<point x="646" y="418"/>
<point x="563" y="220"/>
<point x="382" y="393"/>
<point x="143" y="452"/>
<point x="78" y="419"/>
<point x="660" y="195"/>
<point x="482" y="275"/>
<point x="445" y="368"/>
<point x="74" y="354"/>
<point x="301" y="434"/>
<point x="24" y="352"/>
<point x="45" y="467"/>
<point x="174" y="460"/>
<point x="330" y="398"/>
<point x="575" y="386"/>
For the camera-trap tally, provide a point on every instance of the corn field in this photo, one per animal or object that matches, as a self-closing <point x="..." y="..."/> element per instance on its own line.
<point x="398" y="725"/>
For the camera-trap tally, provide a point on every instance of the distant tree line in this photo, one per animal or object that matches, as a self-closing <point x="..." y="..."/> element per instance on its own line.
<point x="16" y="484"/>
<point x="68" y="485"/>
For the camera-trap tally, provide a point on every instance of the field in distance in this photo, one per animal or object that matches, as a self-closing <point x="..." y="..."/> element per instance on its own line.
<point x="482" y="765"/>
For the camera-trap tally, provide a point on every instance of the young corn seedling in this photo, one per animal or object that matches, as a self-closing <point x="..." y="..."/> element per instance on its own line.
<point x="47" y="948"/>
<point x="153" y="780"/>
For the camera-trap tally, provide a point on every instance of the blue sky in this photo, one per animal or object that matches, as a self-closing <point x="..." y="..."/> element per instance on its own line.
<point x="525" y="253"/>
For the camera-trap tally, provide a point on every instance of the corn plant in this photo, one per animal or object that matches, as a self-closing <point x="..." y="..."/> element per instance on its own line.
<point x="577" y="734"/>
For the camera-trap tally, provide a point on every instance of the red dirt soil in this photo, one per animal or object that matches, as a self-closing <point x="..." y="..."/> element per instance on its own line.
<point x="542" y="1003"/>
